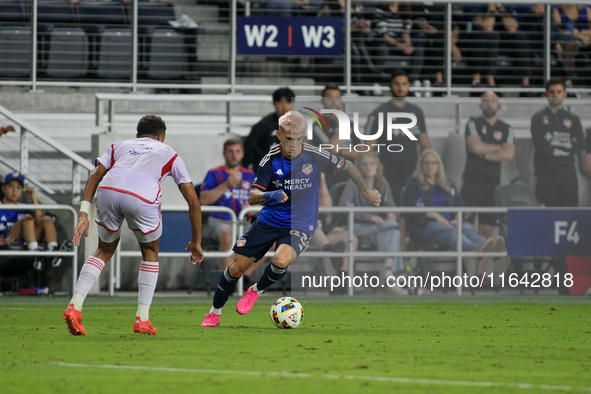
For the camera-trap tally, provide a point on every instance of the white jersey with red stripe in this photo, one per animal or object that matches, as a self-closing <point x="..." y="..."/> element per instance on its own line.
<point x="137" y="167"/>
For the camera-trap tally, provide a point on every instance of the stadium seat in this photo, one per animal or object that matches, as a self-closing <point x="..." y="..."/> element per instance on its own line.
<point x="109" y="33"/>
<point x="12" y="11"/>
<point x="61" y="15"/>
<point x="15" y="47"/>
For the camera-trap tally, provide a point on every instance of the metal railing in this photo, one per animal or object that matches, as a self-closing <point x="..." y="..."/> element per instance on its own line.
<point x="33" y="144"/>
<point x="238" y="228"/>
<point x="231" y="66"/>
<point x="115" y="270"/>
<point x="55" y="253"/>
<point x="456" y="113"/>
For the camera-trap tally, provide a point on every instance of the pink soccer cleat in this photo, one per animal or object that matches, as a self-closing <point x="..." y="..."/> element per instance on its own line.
<point x="73" y="319"/>
<point x="247" y="301"/>
<point x="211" y="320"/>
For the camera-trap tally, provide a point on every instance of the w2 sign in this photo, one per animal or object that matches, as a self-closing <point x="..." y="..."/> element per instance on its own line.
<point x="290" y="36"/>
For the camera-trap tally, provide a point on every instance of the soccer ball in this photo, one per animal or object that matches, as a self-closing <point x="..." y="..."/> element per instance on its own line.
<point x="287" y="312"/>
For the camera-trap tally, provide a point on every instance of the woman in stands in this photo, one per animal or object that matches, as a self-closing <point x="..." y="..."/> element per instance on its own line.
<point x="381" y="230"/>
<point x="430" y="187"/>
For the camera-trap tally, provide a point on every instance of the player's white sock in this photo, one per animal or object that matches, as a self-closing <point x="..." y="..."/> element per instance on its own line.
<point x="33" y="246"/>
<point x="256" y="289"/>
<point x="52" y="245"/>
<point x="147" y="278"/>
<point x="89" y="273"/>
<point x="217" y="311"/>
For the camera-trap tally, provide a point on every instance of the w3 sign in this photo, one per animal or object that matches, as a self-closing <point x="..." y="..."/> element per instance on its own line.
<point x="290" y="36"/>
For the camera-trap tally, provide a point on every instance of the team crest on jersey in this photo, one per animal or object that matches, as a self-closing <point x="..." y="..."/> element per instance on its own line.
<point x="307" y="169"/>
<point x="497" y="135"/>
<point x="310" y="227"/>
<point x="567" y="123"/>
<point x="241" y="242"/>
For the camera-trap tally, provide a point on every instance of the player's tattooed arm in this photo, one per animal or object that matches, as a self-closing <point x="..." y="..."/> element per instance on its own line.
<point x="372" y="196"/>
<point x="257" y="197"/>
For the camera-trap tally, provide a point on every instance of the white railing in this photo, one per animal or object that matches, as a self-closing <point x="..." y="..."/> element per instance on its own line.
<point x="238" y="228"/>
<point x="55" y="253"/>
<point x="115" y="270"/>
<point x="458" y="114"/>
<point x="30" y="135"/>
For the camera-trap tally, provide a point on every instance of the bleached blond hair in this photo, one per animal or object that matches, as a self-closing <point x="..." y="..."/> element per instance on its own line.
<point x="294" y="121"/>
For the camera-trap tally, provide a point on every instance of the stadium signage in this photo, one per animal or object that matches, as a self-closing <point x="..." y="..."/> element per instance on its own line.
<point x="549" y="232"/>
<point x="345" y="129"/>
<point x="286" y="36"/>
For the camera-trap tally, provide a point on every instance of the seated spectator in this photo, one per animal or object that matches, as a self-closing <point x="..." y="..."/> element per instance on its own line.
<point x="571" y="26"/>
<point x="226" y="186"/>
<point x="328" y="237"/>
<point x="293" y="7"/>
<point x="495" y="29"/>
<point x="262" y="135"/>
<point x="430" y="187"/>
<point x="393" y="40"/>
<point x="429" y="19"/>
<point x="23" y="226"/>
<point x="381" y="229"/>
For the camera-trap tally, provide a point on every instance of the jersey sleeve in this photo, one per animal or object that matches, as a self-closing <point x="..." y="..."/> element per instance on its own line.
<point x="107" y="159"/>
<point x="331" y="163"/>
<point x="179" y="171"/>
<point x="264" y="175"/>
<point x="209" y="182"/>
<point x="421" y="121"/>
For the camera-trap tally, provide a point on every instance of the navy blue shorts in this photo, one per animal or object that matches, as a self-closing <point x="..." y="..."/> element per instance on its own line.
<point x="260" y="237"/>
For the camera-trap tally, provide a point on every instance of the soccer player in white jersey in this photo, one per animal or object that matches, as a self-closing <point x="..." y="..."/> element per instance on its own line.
<point x="129" y="173"/>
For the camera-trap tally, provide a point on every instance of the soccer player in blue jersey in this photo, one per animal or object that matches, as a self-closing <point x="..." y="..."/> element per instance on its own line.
<point x="287" y="184"/>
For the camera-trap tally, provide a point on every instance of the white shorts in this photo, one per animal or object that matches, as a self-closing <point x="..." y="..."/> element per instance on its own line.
<point x="112" y="207"/>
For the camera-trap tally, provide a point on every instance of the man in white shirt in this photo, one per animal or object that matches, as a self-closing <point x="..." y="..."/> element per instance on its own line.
<point x="129" y="173"/>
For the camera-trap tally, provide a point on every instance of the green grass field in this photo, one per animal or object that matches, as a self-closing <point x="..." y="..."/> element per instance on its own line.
<point x="410" y="345"/>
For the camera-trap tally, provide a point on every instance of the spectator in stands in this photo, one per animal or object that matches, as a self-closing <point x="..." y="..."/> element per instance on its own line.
<point x="262" y="135"/>
<point x="572" y="28"/>
<point x="496" y="29"/>
<point x="226" y="186"/>
<point x="429" y="18"/>
<point x="292" y="7"/>
<point x="23" y="226"/>
<point x="328" y="236"/>
<point x="430" y="187"/>
<point x="489" y="141"/>
<point x="393" y="26"/>
<point x="380" y="229"/>
<point x="398" y="166"/>
<point x="586" y="155"/>
<point x="324" y="137"/>
<point x="558" y="137"/>
<point x="480" y="43"/>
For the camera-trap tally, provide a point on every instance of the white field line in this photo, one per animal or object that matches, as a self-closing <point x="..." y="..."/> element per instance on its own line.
<point x="388" y="379"/>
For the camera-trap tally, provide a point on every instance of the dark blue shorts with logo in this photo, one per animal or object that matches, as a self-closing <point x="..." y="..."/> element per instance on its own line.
<point x="260" y="237"/>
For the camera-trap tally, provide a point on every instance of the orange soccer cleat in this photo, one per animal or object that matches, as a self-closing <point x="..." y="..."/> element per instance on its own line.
<point x="144" y="327"/>
<point x="73" y="319"/>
